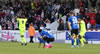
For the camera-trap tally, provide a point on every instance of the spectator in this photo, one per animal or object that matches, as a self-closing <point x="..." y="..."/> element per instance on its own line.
<point x="87" y="21"/>
<point x="76" y="3"/>
<point x="10" y="25"/>
<point x="47" y="24"/>
<point x="61" y="25"/>
<point x="39" y="23"/>
<point x="76" y="11"/>
<point x="92" y="22"/>
<point x="72" y="4"/>
<point x="88" y="25"/>
<point x="16" y="25"/>
<point x="98" y="19"/>
<point x="35" y="10"/>
<point x="80" y="3"/>
<point x="92" y="18"/>
<point x="0" y="31"/>
<point x="4" y="26"/>
<point x="61" y="10"/>
<point x="42" y="27"/>
<point x="93" y="3"/>
<point x="86" y="4"/>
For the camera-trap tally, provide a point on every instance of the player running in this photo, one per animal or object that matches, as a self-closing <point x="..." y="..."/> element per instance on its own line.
<point x="82" y="31"/>
<point x="45" y="38"/>
<point x="73" y="27"/>
<point x="22" y="28"/>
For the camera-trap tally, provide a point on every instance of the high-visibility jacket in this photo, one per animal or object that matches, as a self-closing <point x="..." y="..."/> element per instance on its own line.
<point x="31" y="31"/>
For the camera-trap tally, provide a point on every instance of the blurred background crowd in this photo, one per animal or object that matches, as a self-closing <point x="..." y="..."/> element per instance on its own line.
<point x="45" y="12"/>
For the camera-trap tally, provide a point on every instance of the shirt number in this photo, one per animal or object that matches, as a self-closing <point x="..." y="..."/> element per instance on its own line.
<point x="22" y="22"/>
<point x="74" y="20"/>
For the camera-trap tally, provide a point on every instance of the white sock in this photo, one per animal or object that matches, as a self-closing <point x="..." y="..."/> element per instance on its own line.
<point x="46" y="43"/>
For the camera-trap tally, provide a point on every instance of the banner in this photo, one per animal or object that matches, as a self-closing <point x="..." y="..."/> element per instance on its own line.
<point x="90" y="36"/>
<point x="14" y="35"/>
<point x="10" y="35"/>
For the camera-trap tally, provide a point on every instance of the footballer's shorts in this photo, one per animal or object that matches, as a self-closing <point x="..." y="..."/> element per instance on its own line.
<point x="74" y="31"/>
<point x="22" y="31"/>
<point x="82" y="33"/>
<point x="48" y="40"/>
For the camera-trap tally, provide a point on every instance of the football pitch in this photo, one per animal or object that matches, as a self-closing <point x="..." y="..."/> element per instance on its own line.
<point x="58" y="48"/>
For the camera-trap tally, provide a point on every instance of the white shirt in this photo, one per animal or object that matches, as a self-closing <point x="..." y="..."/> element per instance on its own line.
<point x="76" y="11"/>
<point x="0" y="28"/>
<point x="47" y="25"/>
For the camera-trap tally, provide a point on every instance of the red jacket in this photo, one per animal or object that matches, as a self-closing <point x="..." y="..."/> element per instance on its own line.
<point x="92" y="22"/>
<point x="92" y="15"/>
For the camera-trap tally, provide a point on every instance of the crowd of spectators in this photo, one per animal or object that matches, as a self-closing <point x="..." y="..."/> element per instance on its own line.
<point x="43" y="13"/>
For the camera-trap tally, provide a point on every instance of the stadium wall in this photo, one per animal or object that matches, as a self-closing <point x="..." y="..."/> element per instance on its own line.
<point x="92" y="36"/>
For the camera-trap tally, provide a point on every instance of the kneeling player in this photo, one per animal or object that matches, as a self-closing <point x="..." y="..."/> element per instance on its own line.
<point x="82" y="31"/>
<point x="45" y="38"/>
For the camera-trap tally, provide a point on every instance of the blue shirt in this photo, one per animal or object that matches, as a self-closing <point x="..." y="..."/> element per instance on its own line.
<point x="46" y="34"/>
<point x="74" y="22"/>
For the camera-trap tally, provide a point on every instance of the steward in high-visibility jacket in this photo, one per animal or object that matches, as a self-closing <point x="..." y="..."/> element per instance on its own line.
<point x="31" y="31"/>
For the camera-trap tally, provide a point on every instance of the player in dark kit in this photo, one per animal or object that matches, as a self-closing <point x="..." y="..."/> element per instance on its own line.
<point x="45" y="38"/>
<point x="73" y="27"/>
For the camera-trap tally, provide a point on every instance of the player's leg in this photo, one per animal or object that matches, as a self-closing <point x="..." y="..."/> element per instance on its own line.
<point x="22" y="36"/>
<point x="48" y="40"/>
<point x="82" y="39"/>
<point x="40" y="45"/>
<point x="22" y="42"/>
<point x="51" y="40"/>
<point x="75" y="41"/>
<point x="44" y="42"/>
<point x="72" y="38"/>
<point x="77" y="38"/>
<point x="41" y="40"/>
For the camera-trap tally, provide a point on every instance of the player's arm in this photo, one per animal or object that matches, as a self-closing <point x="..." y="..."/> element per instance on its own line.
<point x="40" y="42"/>
<point x="18" y="19"/>
<point x="69" y="26"/>
<point x="26" y="19"/>
<point x="78" y="27"/>
<point x="40" y="45"/>
<point x="79" y="22"/>
<point x="41" y="37"/>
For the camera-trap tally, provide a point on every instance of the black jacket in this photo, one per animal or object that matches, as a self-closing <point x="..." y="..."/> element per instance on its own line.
<point x="97" y="18"/>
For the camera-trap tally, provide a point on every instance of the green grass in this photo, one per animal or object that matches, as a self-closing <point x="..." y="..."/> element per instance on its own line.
<point x="16" y="48"/>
